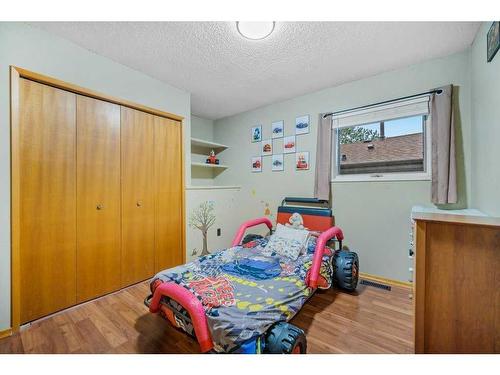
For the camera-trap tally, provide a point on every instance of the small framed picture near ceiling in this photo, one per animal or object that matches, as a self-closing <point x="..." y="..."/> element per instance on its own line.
<point x="267" y="147"/>
<point x="302" y="161"/>
<point x="257" y="133"/>
<point x="302" y="125"/>
<point x="289" y="144"/>
<point x="277" y="128"/>
<point x="277" y="162"/>
<point x="257" y="164"/>
<point x="493" y="40"/>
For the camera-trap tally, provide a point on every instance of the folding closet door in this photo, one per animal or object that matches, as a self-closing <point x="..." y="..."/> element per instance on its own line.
<point x="138" y="203"/>
<point x="169" y="193"/>
<point x="98" y="198"/>
<point x="47" y="199"/>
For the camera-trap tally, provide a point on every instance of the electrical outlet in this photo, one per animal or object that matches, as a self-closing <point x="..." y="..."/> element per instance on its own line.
<point x="218" y="232"/>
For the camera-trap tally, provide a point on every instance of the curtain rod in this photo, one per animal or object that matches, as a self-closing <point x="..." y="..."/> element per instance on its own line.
<point x="437" y="91"/>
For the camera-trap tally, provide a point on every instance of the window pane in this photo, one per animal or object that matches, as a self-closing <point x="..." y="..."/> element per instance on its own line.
<point x="382" y="147"/>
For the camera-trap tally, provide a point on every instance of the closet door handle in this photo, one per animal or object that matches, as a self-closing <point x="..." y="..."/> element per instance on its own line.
<point x="99" y="206"/>
<point x="139" y="203"/>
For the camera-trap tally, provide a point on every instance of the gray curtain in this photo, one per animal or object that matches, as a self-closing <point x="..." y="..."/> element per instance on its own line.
<point x="322" y="174"/>
<point x="444" y="170"/>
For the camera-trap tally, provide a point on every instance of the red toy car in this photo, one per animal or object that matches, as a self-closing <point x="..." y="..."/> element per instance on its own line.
<point x="180" y="305"/>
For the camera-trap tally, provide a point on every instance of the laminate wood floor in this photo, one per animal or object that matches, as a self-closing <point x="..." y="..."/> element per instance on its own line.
<point x="368" y="321"/>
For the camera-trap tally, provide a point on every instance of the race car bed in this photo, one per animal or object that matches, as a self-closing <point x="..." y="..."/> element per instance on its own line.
<point x="239" y="299"/>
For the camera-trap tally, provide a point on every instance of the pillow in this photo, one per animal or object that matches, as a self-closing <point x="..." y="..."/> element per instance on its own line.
<point x="287" y="242"/>
<point x="284" y="246"/>
<point x="300" y="235"/>
<point x="297" y="233"/>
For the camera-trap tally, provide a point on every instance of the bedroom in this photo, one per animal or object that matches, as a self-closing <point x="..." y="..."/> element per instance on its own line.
<point x="133" y="152"/>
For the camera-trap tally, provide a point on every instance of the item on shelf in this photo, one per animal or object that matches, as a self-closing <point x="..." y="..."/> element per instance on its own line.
<point x="212" y="159"/>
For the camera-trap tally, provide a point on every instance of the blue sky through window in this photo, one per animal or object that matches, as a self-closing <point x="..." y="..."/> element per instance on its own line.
<point x="402" y="126"/>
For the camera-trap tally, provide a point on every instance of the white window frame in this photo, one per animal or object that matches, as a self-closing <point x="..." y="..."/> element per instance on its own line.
<point x="386" y="176"/>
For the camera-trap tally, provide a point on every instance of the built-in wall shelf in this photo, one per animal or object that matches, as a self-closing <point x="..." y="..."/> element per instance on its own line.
<point x="203" y="174"/>
<point x="206" y="165"/>
<point x="217" y="147"/>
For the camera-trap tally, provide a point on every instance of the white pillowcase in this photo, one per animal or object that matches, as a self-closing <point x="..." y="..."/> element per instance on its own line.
<point x="300" y="235"/>
<point x="288" y="242"/>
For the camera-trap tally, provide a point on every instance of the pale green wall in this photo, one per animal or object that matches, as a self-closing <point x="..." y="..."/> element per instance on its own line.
<point x="202" y="128"/>
<point x="486" y="123"/>
<point x="375" y="216"/>
<point x="36" y="50"/>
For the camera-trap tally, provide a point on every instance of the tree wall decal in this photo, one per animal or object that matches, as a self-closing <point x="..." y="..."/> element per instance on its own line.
<point x="202" y="218"/>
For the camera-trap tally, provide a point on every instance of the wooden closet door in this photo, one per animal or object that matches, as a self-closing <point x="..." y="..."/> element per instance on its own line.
<point x="98" y="198"/>
<point x="169" y="194"/>
<point x="138" y="204"/>
<point x="47" y="204"/>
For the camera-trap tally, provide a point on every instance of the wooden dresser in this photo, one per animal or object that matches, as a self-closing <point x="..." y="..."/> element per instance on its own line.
<point x="457" y="283"/>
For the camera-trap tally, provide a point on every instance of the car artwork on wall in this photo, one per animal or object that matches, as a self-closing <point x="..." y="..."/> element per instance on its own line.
<point x="277" y="129"/>
<point x="267" y="147"/>
<point x="257" y="164"/>
<point x="277" y="162"/>
<point x="302" y="125"/>
<point x="256" y="133"/>
<point x="302" y="160"/>
<point x="289" y="144"/>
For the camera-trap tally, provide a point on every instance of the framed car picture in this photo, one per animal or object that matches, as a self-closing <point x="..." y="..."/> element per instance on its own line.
<point x="277" y="162"/>
<point x="257" y="164"/>
<point x="257" y="133"/>
<point x="302" y="161"/>
<point x="289" y="144"/>
<point x="277" y="128"/>
<point x="493" y="40"/>
<point x="302" y="125"/>
<point x="267" y="147"/>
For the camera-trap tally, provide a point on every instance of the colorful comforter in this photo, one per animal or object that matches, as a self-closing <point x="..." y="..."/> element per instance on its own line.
<point x="245" y="290"/>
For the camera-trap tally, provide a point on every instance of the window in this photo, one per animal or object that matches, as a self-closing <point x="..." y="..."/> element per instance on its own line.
<point x="387" y="142"/>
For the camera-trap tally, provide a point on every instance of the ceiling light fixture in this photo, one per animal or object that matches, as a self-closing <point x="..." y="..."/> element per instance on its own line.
<point x="255" y="30"/>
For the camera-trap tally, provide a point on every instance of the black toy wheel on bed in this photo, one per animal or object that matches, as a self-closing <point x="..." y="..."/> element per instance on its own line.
<point x="285" y="338"/>
<point x="346" y="269"/>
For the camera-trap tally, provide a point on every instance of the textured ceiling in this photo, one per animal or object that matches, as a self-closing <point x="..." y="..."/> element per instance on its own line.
<point x="227" y="74"/>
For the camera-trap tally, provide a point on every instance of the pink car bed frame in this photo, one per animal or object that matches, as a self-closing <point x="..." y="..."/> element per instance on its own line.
<point x="194" y="306"/>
